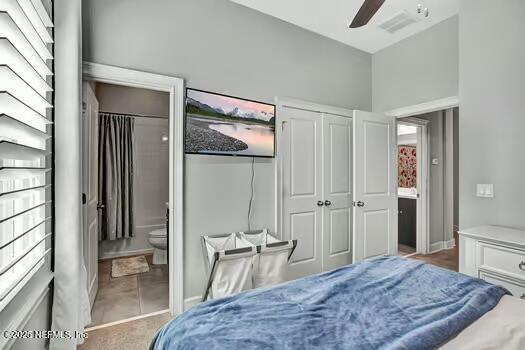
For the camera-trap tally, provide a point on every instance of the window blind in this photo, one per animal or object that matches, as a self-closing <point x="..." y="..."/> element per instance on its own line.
<point x="26" y="92"/>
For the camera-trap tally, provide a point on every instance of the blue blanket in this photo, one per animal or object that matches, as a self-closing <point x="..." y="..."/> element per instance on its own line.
<point x="380" y="303"/>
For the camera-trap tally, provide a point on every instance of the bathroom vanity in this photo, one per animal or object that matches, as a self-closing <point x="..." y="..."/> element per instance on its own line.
<point x="407" y="219"/>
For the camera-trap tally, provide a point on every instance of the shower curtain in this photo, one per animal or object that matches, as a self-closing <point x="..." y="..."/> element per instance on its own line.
<point x="115" y="176"/>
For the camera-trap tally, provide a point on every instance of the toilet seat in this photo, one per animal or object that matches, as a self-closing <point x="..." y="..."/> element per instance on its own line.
<point x="160" y="233"/>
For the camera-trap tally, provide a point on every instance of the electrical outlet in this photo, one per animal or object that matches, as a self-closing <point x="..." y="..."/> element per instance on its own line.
<point x="485" y="190"/>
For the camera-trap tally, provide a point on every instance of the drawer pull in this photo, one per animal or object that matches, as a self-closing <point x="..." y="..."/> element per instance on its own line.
<point x="522" y="265"/>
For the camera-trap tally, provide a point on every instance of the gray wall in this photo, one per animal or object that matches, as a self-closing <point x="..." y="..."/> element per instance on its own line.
<point x="421" y="68"/>
<point x="124" y="99"/>
<point x="220" y="46"/>
<point x="436" y="179"/>
<point x="492" y="120"/>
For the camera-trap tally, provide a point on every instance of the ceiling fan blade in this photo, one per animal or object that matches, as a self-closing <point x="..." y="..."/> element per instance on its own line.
<point x="366" y="12"/>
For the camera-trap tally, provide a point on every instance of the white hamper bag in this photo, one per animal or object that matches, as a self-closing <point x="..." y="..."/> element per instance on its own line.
<point x="228" y="260"/>
<point x="270" y="265"/>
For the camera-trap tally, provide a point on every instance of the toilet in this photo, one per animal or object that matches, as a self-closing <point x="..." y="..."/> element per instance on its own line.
<point x="158" y="239"/>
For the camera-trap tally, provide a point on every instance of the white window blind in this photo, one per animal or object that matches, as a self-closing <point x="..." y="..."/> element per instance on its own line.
<point x="26" y="79"/>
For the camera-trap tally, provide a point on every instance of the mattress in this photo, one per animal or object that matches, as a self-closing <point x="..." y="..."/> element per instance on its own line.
<point x="501" y="328"/>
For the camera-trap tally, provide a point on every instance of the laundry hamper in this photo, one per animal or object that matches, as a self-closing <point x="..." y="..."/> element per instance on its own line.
<point x="228" y="260"/>
<point x="271" y="262"/>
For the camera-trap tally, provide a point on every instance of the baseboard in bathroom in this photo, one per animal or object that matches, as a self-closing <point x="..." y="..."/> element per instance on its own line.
<point x="113" y="255"/>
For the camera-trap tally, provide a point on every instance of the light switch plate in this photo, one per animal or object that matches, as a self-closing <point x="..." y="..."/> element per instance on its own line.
<point x="485" y="190"/>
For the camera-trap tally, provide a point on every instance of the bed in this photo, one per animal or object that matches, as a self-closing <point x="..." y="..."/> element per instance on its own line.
<point x="379" y="303"/>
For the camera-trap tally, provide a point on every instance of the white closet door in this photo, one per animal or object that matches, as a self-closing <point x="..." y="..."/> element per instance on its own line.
<point x="337" y="169"/>
<point x="302" y="188"/>
<point x="375" y="210"/>
<point x="90" y="187"/>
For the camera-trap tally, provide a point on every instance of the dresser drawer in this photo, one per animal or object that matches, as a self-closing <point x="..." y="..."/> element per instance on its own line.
<point x="501" y="259"/>
<point x="516" y="288"/>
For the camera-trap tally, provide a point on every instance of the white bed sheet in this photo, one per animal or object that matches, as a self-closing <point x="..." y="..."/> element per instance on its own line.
<point x="501" y="328"/>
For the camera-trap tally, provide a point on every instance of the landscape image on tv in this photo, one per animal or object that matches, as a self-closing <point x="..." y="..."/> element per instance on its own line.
<point x="219" y="124"/>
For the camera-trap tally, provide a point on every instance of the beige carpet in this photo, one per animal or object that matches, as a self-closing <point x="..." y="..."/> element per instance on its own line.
<point x="129" y="266"/>
<point x="133" y="335"/>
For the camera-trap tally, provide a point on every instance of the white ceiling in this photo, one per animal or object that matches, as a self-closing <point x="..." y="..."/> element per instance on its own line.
<point x="331" y="18"/>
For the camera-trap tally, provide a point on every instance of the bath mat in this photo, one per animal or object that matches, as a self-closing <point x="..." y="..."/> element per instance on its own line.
<point x="129" y="266"/>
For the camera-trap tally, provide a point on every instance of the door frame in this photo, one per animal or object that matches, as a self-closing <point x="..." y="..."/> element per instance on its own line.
<point x="281" y="103"/>
<point x="423" y="171"/>
<point x="175" y="87"/>
<point x="413" y="111"/>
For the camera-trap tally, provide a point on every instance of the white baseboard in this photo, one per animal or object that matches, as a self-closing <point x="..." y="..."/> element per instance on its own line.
<point x="441" y="245"/>
<point x="450" y="244"/>
<point x="111" y="255"/>
<point x="191" y="302"/>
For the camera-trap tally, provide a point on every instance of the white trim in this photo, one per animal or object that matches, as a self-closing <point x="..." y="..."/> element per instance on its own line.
<point x="427" y="107"/>
<point x="450" y="244"/>
<point x="25" y="313"/>
<point x="312" y="106"/>
<point x="191" y="302"/>
<point x="423" y="205"/>
<point x="175" y="87"/>
<point x="112" y="255"/>
<point x="441" y="245"/>
<point x="139" y="317"/>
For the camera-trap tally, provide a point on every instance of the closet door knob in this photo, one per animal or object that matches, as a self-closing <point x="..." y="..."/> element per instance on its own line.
<point x="522" y="296"/>
<point x="521" y="265"/>
<point x="360" y="204"/>
<point x="327" y="203"/>
<point x="320" y="203"/>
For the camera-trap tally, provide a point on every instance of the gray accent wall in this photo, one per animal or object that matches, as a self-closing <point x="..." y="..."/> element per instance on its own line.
<point x="221" y="46"/>
<point x="492" y="113"/>
<point x="421" y="68"/>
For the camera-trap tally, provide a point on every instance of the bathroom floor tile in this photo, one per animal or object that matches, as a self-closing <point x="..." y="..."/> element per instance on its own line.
<point x="153" y="296"/>
<point x="129" y="296"/>
<point x="121" y="306"/>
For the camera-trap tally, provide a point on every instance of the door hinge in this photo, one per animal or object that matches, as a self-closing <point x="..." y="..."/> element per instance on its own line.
<point x="84" y="198"/>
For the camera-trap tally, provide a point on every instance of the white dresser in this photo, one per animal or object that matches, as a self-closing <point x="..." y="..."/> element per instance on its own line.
<point x="495" y="254"/>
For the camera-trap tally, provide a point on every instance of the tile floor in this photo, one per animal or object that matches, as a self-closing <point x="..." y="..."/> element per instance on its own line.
<point x="129" y="296"/>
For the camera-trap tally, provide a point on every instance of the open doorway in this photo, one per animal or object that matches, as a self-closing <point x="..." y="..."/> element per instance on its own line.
<point x="428" y="186"/>
<point x="409" y="188"/>
<point x="125" y="176"/>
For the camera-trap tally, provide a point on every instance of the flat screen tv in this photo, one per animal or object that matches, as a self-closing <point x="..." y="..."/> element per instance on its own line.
<point x="225" y="125"/>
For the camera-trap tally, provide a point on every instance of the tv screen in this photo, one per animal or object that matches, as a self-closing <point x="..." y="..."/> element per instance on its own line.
<point x="226" y="125"/>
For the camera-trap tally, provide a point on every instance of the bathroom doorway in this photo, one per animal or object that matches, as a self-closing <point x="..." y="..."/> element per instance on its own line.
<point x="410" y="185"/>
<point x="129" y="185"/>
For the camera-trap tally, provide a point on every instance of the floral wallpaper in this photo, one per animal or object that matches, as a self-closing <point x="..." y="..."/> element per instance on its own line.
<point x="407" y="167"/>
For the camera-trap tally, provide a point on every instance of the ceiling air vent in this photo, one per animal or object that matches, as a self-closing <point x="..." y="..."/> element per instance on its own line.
<point x="398" y="21"/>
